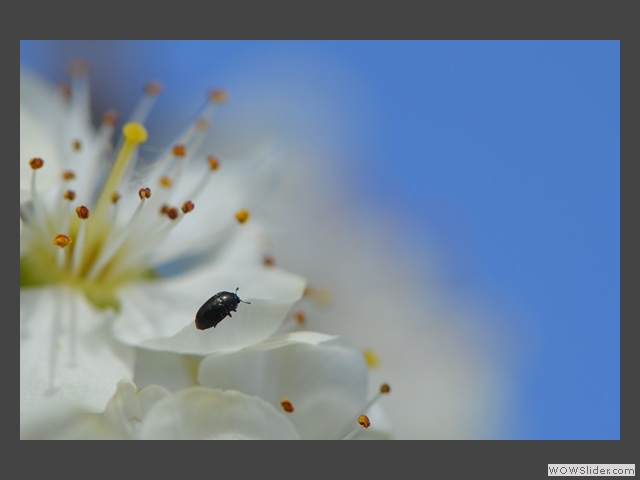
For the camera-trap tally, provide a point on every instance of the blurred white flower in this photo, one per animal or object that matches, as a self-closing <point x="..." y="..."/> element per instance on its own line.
<point x="117" y="252"/>
<point x="437" y="348"/>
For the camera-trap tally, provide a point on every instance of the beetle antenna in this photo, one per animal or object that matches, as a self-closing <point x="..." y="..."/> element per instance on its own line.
<point x="238" y="288"/>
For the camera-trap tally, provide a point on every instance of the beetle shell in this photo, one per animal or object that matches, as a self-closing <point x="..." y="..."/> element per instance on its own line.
<point x="216" y="309"/>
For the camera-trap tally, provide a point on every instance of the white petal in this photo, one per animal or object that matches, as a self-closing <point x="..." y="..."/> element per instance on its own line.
<point x="250" y="325"/>
<point x="325" y="382"/>
<point x="212" y="223"/>
<point x="66" y="350"/>
<point x="238" y="246"/>
<point x="159" y="315"/>
<point x="48" y="126"/>
<point x="42" y="114"/>
<point x="34" y="143"/>
<point x="280" y="340"/>
<point x="203" y="414"/>
<point x="64" y="419"/>
<point x="169" y="369"/>
<point x="128" y="408"/>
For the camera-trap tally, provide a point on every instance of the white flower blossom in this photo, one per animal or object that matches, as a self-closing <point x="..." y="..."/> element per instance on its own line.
<point x="113" y="254"/>
<point x="241" y="396"/>
<point x="118" y="252"/>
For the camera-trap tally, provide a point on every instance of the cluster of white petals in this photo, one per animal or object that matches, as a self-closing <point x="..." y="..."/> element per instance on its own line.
<point x="118" y="252"/>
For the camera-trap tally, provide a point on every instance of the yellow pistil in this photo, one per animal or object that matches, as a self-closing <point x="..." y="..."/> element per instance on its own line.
<point x="134" y="134"/>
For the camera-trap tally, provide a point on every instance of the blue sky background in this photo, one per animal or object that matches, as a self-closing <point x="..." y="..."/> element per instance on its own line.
<point x="503" y="154"/>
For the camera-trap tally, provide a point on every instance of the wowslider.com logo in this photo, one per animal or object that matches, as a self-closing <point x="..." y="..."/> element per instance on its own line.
<point x="583" y="470"/>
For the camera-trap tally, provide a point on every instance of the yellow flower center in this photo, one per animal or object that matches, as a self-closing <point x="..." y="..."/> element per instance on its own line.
<point x="92" y="254"/>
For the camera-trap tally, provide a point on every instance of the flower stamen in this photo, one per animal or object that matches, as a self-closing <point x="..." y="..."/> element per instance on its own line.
<point x="61" y="240"/>
<point x="300" y="317"/>
<point x="268" y="261"/>
<point x="115" y="239"/>
<point x="146" y="103"/>
<point x="69" y="195"/>
<point x="363" y="422"/>
<point x="106" y="130"/>
<point x="53" y="348"/>
<point x="80" y="94"/>
<point x="73" y="333"/>
<point x="83" y="214"/>
<point x="217" y="95"/>
<point x="384" y="390"/>
<point x="188" y="206"/>
<point x="38" y="212"/>
<point x="242" y="216"/>
<point x="193" y="136"/>
<point x="68" y="175"/>
<point x="286" y="404"/>
<point x="213" y="164"/>
<point x="172" y="173"/>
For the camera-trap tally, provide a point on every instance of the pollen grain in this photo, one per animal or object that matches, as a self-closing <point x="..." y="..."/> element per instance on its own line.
<point x="36" y="163"/>
<point x="242" y="216"/>
<point x="286" y="404"/>
<point x="364" y="421"/>
<point x="61" y="240"/>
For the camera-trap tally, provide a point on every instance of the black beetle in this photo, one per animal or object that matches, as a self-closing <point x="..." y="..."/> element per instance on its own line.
<point x="214" y="310"/>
